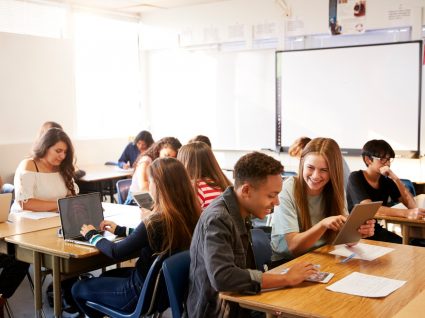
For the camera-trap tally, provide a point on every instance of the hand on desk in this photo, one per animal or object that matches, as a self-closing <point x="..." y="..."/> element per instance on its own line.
<point x="109" y="226"/>
<point x="299" y="273"/>
<point x="415" y="214"/>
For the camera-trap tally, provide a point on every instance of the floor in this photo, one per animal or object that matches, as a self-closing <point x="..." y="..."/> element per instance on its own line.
<point x="22" y="302"/>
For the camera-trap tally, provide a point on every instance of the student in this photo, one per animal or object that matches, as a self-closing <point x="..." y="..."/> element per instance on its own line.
<point x="169" y="228"/>
<point x="201" y="138"/>
<point x="140" y="144"/>
<point x="47" y="176"/>
<point x="208" y="179"/>
<point x="379" y="183"/>
<point x="220" y="253"/>
<point x="165" y="147"/>
<point x="46" y="126"/>
<point x="5" y="187"/>
<point x="52" y="124"/>
<point x="312" y="205"/>
<point x="295" y="150"/>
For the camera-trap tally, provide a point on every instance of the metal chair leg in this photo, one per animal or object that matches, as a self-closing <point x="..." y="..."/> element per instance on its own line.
<point x="8" y="310"/>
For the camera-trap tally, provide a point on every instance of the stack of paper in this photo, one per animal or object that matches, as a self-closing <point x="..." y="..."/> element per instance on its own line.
<point x="366" y="285"/>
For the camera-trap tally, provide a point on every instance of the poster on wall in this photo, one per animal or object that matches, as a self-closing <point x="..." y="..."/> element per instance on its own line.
<point x="347" y="16"/>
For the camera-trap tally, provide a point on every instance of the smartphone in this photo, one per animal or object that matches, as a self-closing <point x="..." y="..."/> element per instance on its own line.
<point x="144" y="200"/>
<point x="319" y="277"/>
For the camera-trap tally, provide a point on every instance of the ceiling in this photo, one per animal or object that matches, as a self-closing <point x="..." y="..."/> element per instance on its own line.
<point x="135" y="6"/>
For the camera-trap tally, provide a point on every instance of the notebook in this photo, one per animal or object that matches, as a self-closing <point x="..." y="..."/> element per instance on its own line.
<point x="5" y="202"/>
<point x="359" y="215"/>
<point x="78" y="210"/>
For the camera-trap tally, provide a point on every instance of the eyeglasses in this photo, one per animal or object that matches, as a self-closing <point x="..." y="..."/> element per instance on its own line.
<point x="383" y="160"/>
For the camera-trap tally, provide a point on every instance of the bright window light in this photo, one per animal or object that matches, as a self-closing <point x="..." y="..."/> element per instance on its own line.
<point x="107" y="77"/>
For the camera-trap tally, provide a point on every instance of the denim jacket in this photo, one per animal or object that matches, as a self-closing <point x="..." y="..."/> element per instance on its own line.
<point x="220" y="255"/>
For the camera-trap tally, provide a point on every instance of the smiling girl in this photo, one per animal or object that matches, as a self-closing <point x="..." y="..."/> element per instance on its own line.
<point x="312" y="205"/>
<point x="48" y="175"/>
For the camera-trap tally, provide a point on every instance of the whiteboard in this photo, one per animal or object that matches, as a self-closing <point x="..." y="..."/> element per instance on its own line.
<point x="352" y="94"/>
<point x="230" y="97"/>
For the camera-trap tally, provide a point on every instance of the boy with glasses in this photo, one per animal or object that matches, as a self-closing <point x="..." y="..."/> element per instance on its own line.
<point x="379" y="183"/>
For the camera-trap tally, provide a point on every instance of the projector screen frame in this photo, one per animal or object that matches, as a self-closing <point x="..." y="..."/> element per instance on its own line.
<point x="411" y="153"/>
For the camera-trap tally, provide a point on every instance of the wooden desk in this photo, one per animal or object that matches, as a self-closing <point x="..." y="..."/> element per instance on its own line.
<point x="313" y="300"/>
<point x="45" y="248"/>
<point x="405" y="224"/>
<point x="98" y="175"/>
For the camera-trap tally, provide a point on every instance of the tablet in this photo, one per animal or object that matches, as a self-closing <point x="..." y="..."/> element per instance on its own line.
<point x="144" y="200"/>
<point x="358" y="216"/>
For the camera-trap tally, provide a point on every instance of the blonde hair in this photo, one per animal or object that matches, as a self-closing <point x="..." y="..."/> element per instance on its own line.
<point x="297" y="147"/>
<point x="333" y="191"/>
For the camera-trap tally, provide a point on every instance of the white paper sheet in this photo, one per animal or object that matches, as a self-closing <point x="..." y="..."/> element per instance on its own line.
<point x="366" y="285"/>
<point x="363" y="251"/>
<point x="37" y="215"/>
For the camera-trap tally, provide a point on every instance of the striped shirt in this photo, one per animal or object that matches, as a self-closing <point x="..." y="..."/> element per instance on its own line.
<point x="206" y="193"/>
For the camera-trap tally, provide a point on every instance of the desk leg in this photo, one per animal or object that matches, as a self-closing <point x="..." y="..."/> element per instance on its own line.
<point x="37" y="284"/>
<point x="57" y="301"/>
<point x="405" y="233"/>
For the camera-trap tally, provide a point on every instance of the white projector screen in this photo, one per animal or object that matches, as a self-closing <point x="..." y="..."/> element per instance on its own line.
<point x="351" y="94"/>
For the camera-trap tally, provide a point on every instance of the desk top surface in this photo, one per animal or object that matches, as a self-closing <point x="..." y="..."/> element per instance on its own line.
<point x="44" y="238"/>
<point x="99" y="172"/>
<point x="313" y="300"/>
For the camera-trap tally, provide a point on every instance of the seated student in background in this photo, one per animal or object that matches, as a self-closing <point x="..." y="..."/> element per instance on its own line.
<point x="295" y="150"/>
<point x="140" y="144"/>
<point x="168" y="229"/>
<point x="221" y="255"/>
<point x="208" y="179"/>
<point x="47" y="176"/>
<point x="379" y="183"/>
<point x="312" y="205"/>
<point x="201" y="138"/>
<point x="165" y="147"/>
<point x="52" y="124"/>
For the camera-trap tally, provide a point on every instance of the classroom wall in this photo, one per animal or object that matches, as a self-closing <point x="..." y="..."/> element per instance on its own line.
<point x="15" y="141"/>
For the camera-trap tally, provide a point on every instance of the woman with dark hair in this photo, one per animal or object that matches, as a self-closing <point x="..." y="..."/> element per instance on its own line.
<point x="140" y="144"/>
<point x="208" y="179"/>
<point x="46" y="176"/>
<point x="167" y="229"/>
<point x="312" y="205"/>
<point x="165" y="147"/>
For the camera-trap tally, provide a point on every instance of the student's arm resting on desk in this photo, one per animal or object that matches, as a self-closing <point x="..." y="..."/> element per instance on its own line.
<point x="120" y="250"/>
<point x="37" y="205"/>
<point x="125" y="157"/>
<point x="295" y="275"/>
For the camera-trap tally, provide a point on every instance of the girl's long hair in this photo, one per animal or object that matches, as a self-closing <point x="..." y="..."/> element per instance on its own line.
<point x="66" y="168"/>
<point x="333" y="191"/>
<point x="201" y="164"/>
<point x="176" y="208"/>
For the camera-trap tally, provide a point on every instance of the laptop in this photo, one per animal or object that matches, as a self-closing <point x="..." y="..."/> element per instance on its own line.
<point x="5" y="202"/>
<point x="359" y="215"/>
<point x="78" y="210"/>
<point x="144" y="200"/>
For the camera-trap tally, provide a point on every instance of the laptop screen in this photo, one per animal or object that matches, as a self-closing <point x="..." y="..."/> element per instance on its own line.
<point x="79" y="210"/>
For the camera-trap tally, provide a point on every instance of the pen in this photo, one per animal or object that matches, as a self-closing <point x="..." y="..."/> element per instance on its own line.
<point x="345" y="260"/>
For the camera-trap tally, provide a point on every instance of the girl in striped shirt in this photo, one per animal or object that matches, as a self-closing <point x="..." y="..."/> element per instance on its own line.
<point x="207" y="177"/>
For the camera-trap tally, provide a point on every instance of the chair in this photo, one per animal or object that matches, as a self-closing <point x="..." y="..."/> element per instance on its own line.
<point x="409" y="185"/>
<point x="262" y="249"/>
<point x="147" y="303"/>
<point x="123" y="187"/>
<point x="176" y="274"/>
